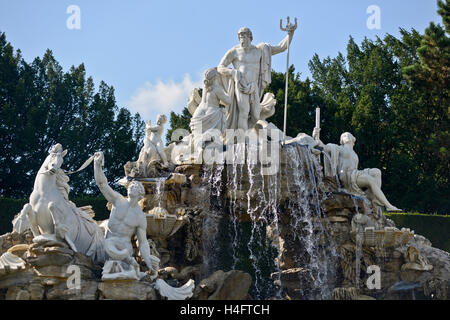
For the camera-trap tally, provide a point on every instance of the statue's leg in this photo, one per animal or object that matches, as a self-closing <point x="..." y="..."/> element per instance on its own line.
<point x="162" y="154"/>
<point x="255" y="111"/>
<point x="141" y="157"/>
<point x="117" y="249"/>
<point x="367" y="181"/>
<point x="375" y="173"/>
<point x="243" y="102"/>
<point x="61" y="228"/>
<point x="145" y="161"/>
<point x="31" y="215"/>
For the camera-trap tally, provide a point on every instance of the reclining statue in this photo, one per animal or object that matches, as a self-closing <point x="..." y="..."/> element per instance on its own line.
<point x="343" y="161"/>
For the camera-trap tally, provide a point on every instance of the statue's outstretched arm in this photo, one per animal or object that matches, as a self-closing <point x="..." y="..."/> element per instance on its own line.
<point x="102" y="183"/>
<point x="283" y="45"/>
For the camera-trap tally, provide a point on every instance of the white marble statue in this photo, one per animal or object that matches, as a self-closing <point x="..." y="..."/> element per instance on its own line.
<point x="343" y="161"/>
<point x="125" y="221"/>
<point x="208" y="120"/>
<point x="194" y="100"/>
<point x="208" y="115"/>
<point x="153" y="148"/>
<point x="51" y="215"/>
<point x="246" y="81"/>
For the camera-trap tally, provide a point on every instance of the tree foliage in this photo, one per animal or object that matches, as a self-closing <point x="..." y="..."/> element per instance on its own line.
<point x="41" y="105"/>
<point x="178" y="121"/>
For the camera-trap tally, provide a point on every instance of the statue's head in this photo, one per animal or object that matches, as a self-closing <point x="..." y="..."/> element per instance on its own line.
<point x="347" y="137"/>
<point x="210" y="76"/>
<point x="245" y="36"/>
<point x="58" y="149"/>
<point x="54" y="159"/>
<point x="161" y="119"/>
<point x="136" y="190"/>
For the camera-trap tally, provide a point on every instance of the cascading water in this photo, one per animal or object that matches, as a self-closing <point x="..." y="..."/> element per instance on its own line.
<point x="336" y="176"/>
<point x="262" y="199"/>
<point x="272" y="211"/>
<point x="243" y="239"/>
<point x="262" y="209"/>
<point x="234" y="187"/>
<point x="212" y="179"/>
<point x="316" y="251"/>
<point x="159" y="191"/>
<point x="359" y="238"/>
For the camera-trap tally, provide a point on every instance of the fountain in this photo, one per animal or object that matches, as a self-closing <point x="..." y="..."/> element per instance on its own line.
<point x="236" y="209"/>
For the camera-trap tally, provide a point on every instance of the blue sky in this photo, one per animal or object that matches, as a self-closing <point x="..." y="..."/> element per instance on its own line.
<point x="154" y="52"/>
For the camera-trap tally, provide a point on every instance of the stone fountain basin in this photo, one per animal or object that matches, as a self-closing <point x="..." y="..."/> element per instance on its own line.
<point x="161" y="224"/>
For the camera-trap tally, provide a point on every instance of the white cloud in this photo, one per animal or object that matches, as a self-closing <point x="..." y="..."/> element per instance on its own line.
<point x="162" y="97"/>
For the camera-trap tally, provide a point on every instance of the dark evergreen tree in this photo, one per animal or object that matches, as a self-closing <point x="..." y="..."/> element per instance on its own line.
<point x="41" y="105"/>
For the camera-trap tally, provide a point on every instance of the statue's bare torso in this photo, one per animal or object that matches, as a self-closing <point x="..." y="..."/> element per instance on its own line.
<point x="247" y="61"/>
<point x="348" y="159"/>
<point x="124" y="220"/>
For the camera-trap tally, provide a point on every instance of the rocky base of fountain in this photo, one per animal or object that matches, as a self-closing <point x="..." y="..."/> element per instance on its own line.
<point x="45" y="271"/>
<point x="410" y="268"/>
<point x="324" y="255"/>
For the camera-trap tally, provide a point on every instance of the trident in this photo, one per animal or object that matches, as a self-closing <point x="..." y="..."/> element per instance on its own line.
<point x="289" y="29"/>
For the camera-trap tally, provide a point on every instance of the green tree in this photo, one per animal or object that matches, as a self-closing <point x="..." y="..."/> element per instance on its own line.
<point x="178" y="121"/>
<point x="429" y="76"/>
<point x="41" y="105"/>
<point x="302" y="102"/>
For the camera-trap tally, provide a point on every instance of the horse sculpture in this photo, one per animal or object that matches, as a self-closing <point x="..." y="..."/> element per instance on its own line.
<point x="52" y="216"/>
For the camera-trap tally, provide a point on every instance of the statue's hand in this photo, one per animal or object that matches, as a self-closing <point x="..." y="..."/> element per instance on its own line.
<point x="99" y="158"/>
<point x="155" y="263"/>
<point x="291" y="33"/>
<point x="316" y="133"/>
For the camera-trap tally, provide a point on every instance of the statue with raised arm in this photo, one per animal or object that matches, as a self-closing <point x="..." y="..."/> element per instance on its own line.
<point x="246" y="81"/>
<point x="126" y="220"/>
<point x="343" y="161"/>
